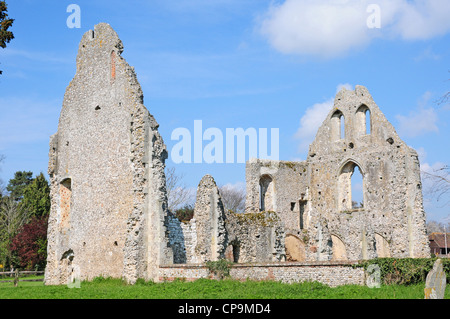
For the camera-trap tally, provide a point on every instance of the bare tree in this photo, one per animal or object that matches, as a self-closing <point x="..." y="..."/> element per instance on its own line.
<point x="437" y="227"/>
<point x="178" y="194"/>
<point x="12" y="218"/>
<point x="438" y="182"/>
<point x="2" y="185"/>
<point x="233" y="198"/>
<point x="444" y="98"/>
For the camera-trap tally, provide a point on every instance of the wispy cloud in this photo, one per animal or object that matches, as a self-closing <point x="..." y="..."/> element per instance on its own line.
<point x="420" y="121"/>
<point x="313" y="118"/>
<point x="427" y="54"/>
<point x="46" y="57"/>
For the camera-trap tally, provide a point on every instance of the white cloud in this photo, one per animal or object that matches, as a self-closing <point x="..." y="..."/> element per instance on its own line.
<point x="330" y="28"/>
<point x="346" y="86"/>
<point x="313" y="118"/>
<point x="418" y="122"/>
<point x="311" y="121"/>
<point x="312" y="27"/>
<point x="238" y="186"/>
<point x="426" y="167"/>
<point x="422" y="154"/>
<point x="422" y="19"/>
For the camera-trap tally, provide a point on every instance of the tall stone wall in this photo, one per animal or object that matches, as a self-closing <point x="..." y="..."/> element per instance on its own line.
<point x="204" y="237"/>
<point x="109" y="214"/>
<point x="106" y="168"/>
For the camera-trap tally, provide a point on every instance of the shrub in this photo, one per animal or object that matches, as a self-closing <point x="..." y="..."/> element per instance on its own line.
<point x="185" y="213"/>
<point x="220" y="268"/>
<point x="405" y="271"/>
<point x="30" y="244"/>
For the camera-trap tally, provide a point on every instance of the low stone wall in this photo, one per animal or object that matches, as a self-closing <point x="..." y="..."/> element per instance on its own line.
<point x="330" y="273"/>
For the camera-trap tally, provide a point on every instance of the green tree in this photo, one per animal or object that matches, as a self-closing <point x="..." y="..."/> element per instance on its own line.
<point x="17" y="185"/>
<point x="36" y="197"/>
<point x="5" y="23"/>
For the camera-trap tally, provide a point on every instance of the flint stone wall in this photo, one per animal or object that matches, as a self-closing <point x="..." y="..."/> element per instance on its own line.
<point x="330" y="273"/>
<point x="204" y="237"/>
<point x="255" y="237"/>
<point x="109" y="213"/>
<point x="107" y="160"/>
<point x="313" y="197"/>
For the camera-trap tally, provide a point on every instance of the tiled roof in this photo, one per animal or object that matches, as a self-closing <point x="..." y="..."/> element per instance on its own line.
<point x="438" y="239"/>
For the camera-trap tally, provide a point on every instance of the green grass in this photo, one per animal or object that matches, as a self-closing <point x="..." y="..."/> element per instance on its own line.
<point x="101" y="288"/>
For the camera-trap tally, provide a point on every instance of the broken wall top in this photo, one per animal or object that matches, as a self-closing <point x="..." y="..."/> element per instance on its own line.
<point x="351" y="110"/>
<point x="102" y="77"/>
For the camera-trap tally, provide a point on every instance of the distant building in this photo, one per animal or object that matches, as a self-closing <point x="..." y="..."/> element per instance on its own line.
<point x="439" y="243"/>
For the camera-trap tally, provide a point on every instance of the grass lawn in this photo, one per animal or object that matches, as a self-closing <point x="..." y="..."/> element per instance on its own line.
<point x="101" y="288"/>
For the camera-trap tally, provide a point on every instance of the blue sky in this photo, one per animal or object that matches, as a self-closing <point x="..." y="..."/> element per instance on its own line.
<point x="237" y="63"/>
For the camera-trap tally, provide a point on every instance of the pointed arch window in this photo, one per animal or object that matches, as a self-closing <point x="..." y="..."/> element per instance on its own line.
<point x="350" y="187"/>
<point x="363" y="120"/>
<point x="337" y="126"/>
<point x="266" y="193"/>
<point x="65" y="194"/>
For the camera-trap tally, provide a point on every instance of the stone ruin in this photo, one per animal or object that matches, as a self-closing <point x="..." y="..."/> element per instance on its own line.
<point x="106" y="168"/>
<point x="109" y="214"/>
<point x="313" y="198"/>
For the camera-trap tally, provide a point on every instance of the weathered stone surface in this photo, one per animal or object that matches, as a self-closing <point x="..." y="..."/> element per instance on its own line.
<point x="313" y="198"/>
<point x="106" y="167"/>
<point x="255" y="237"/>
<point x="109" y="213"/>
<point x="204" y="237"/>
<point x="436" y="282"/>
<point x="329" y="273"/>
<point x="210" y="218"/>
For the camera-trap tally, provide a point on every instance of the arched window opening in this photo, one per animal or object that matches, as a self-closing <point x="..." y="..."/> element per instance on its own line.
<point x="65" y="194"/>
<point x="382" y="246"/>
<point x="363" y="120"/>
<point x="294" y="248"/>
<point x="368" y="122"/>
<point x="357" y="189"/>
<point x="342" y="133"/>
<point x="232" y="252"/>
<point x="338" y="249"/>
<point x="351" y="186"/>
<point x="266" y="193"/>
<point x="337" y="126"/>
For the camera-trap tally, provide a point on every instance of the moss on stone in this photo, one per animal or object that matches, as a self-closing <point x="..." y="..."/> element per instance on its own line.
<point x="264" y="219"/>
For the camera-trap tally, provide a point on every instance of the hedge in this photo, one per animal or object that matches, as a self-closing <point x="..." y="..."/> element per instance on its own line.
<point x="405" y="271"/>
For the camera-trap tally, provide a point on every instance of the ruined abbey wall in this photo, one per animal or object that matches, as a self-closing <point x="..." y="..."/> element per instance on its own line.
<point x="106" y="168"/>
<point x="109" y="214"/>
<point x="313" y="197"/>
